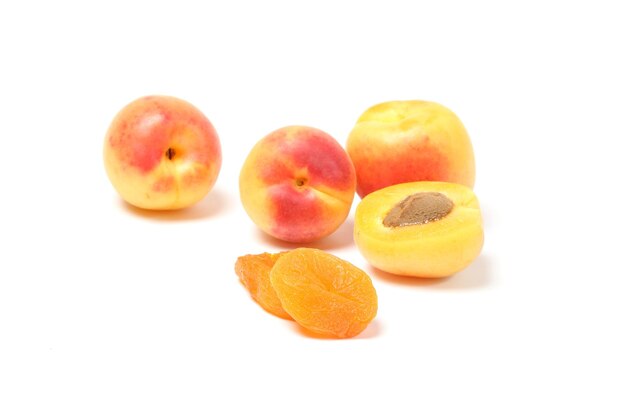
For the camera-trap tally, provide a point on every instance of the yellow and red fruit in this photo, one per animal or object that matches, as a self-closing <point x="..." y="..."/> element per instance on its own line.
<point x="297" y="184"/>
<point x="162" y="153"/>
<point x="406" y="141"/>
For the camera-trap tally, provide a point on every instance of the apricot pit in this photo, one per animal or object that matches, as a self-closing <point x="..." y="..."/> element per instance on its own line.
<point x="419" y="208"/>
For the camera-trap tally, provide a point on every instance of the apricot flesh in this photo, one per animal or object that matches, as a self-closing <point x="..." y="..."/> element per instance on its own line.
<point x="254" y="273"/>
<point x="323" y="293"/>
<point x="438" y="247"/>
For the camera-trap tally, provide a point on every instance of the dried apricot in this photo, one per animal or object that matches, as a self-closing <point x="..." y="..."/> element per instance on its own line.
<point x="254" y="274"/>
<point x="323" y="293"/>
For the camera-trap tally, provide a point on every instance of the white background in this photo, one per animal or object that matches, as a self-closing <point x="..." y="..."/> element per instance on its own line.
<point x="110" y="311"/>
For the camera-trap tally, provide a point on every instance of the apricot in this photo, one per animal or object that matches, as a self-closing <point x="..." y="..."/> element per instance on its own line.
<point x="254" y="273"/>
<point x="406" y="141"/>
<point x="297" y="184"/>
<point x="422" y="229"/>
<point x="162" y="153"/>
<point x="323" y="293"/>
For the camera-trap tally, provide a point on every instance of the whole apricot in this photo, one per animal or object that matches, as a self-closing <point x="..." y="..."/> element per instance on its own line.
<point x="406" y="141"/>
<point x="162" y="153"/>
<point x="297" y="184"/>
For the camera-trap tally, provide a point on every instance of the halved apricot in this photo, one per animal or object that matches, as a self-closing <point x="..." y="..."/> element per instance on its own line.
<point x="422" y="229"/>
<point x="323" y="293"/>
<point x="254" y="273"/>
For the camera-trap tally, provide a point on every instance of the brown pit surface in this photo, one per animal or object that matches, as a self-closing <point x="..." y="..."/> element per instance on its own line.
<point x="419" y="208"/>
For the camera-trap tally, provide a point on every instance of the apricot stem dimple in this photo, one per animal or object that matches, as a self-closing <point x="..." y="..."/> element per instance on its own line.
<point x="300" y="182"/>
<point x="170" y="153"/>
<point x="419" y="208"/>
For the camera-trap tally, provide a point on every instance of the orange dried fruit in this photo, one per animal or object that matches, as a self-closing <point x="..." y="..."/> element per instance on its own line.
<point x="254" y="273"/>
<point x="323" y="293"/>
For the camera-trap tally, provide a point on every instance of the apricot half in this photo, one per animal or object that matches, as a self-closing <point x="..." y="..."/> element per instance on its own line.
<point x="422" y="229"/>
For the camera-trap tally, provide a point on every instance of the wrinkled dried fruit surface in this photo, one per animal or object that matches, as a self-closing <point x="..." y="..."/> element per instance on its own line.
<point x="254" y="273"/>
<point x="323" y="293"/>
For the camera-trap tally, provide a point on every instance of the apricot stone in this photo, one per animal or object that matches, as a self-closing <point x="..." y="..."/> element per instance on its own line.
<point x="419" y="208"/>
<point x="422" y="229"/>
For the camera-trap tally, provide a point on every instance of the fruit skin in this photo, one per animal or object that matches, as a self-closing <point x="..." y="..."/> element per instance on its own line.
<point x="297" y="184"/>
<point x="433" y="250"/>
<point x="323" y="293"/>
<point x="254" y="273"/>
<point x="406" y="141"/>
<point x="139" y="165"/>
